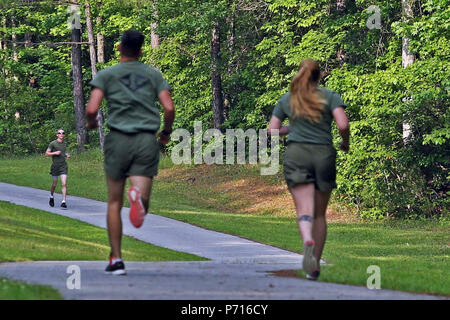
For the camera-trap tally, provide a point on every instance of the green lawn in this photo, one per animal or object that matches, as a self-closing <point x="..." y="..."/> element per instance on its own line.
<point x="14" y="290"/>
<point x="411" y="256"/>
<point x="28" y="234"/>
<point x="32" y="235"/>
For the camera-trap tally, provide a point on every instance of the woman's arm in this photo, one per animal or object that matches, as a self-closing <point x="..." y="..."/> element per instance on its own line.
<point x="275" y="124"/>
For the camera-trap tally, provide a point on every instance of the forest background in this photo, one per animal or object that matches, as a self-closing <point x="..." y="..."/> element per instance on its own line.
<point x="229" y="61"/>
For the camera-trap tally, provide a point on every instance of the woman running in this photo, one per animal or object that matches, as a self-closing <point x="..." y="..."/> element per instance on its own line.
<point x="310" y="158"/>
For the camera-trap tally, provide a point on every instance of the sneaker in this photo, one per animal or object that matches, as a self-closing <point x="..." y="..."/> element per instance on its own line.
<point x="137" y="210"/>
<point x="309" y="261"/>
<point x="63" y="205"/>
<point x="52" y="202"/>
<point x="116" y="269"/>
<point x="313" y="276"/>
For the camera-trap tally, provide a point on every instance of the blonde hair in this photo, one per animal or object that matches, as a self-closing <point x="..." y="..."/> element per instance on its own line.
<point x="306" y="101"/>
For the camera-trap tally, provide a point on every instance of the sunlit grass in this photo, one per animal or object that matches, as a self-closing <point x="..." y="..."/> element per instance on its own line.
<point x="32" y="235"/>
<point x="28" y="234"/>
<point x="412" y="256"/>
<point x="15" y="290"/>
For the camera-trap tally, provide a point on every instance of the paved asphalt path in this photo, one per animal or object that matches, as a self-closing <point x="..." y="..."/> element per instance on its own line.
<point x="238" y="269"/>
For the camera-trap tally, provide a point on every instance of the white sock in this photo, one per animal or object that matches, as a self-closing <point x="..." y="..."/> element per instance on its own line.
<point x="115" y="260"/>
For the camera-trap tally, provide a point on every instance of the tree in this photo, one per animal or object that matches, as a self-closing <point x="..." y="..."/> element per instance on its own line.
<point x="408" y="58"/>
<point x="100" y="38"/>
<point x="93" y="58"/>
<point x="216" y="78"/>
<point x="78" y="94"/>
<point x="154" y="37"/>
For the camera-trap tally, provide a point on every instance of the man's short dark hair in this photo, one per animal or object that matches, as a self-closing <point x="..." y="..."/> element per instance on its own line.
<point x="131" y="43"/>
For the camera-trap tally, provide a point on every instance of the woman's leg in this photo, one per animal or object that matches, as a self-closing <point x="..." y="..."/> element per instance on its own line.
<point x="319" y="231"/>
<point x="303" y="195"/>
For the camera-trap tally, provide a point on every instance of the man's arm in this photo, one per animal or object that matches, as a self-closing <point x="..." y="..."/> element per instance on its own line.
<point x="169" y="115"/>
<point x="92" y="108"/>
<point x="49" y="153"/>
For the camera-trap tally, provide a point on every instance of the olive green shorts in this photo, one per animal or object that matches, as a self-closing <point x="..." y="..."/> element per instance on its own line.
<point x="135" y="154"/>
<point x="58" y="169"/>
<point x="310" y="163"/>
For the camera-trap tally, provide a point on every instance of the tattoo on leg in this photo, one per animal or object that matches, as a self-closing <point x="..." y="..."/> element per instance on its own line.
<point x="305" y="217"/>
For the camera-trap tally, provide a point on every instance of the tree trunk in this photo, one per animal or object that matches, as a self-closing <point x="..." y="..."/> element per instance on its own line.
<point x="232" y="38"/>
<point x="341" y="6"/>
<point x="14" y="39"/>
<point x="154" y="37"/>
<point x="408" y="58"/>
<point x="78" y="96"/>
<point x="216" y="79"/>
<point x="3" y="42"/>
<point x="100" y="40"/>
<point x="28" y="39"/>
<point x="90" y="29"/>
<point x="231" y="68"/>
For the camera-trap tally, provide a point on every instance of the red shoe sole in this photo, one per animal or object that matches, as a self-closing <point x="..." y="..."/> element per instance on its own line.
<point x="137" y="211"/>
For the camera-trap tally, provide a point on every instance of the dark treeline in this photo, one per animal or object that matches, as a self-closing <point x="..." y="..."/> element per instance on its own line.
<point x="229" y="61"/>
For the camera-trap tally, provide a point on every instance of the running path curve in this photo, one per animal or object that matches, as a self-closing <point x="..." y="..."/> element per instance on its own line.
<point x="240" y="269"/>
<point x="157" y="230"/>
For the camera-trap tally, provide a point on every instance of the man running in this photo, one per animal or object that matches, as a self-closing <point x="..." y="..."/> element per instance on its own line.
<point x="131" y="148"/>
<point x="57" y="150"/>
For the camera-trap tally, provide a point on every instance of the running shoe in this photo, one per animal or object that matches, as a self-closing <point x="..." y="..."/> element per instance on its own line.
<point x="309" y="261"/>
<point x="137" y="210"/>
<point x="63" y="205"/>
<point x="313" y="276"/>
<point x="116" y="269"/>
<point x="52" y="202"/>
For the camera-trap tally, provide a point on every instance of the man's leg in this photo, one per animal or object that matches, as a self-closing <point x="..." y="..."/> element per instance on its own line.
<point x="51" y="202"/>
<point x="113" y="219"/>
<point x="64" y="186"/>
<point x="145" y="186"/>
<point x="54" y="184"/>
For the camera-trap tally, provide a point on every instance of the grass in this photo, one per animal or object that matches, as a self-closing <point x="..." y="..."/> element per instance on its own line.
<point x="32" y="235"/>
<point x="413" y="259"/>
<point x="237" y="200"/>
<point x="28" y="234"/>
<point x="14" y="290"/>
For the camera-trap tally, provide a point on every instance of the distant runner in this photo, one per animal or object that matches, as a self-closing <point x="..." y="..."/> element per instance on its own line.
<point x="131" y="148"/>
<point x="57" y="150"/>
<point x="310" y="158"/>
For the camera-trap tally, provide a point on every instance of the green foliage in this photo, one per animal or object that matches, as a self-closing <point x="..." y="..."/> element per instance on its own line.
<point x="262" y="44"/>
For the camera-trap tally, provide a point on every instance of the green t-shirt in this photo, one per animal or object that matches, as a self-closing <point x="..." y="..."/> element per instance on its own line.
<point x="302" y="130"/>
<point x="131" y="89"/>
<point x="58" y="146"/>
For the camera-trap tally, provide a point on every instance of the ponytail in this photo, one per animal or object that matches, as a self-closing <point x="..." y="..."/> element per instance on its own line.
<point x="306" y="101"/>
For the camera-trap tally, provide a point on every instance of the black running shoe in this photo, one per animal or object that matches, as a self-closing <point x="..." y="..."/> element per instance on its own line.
<point x="63" y="205"/>
<point x="52" y="202"/>
<point x="117" y="268"/>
